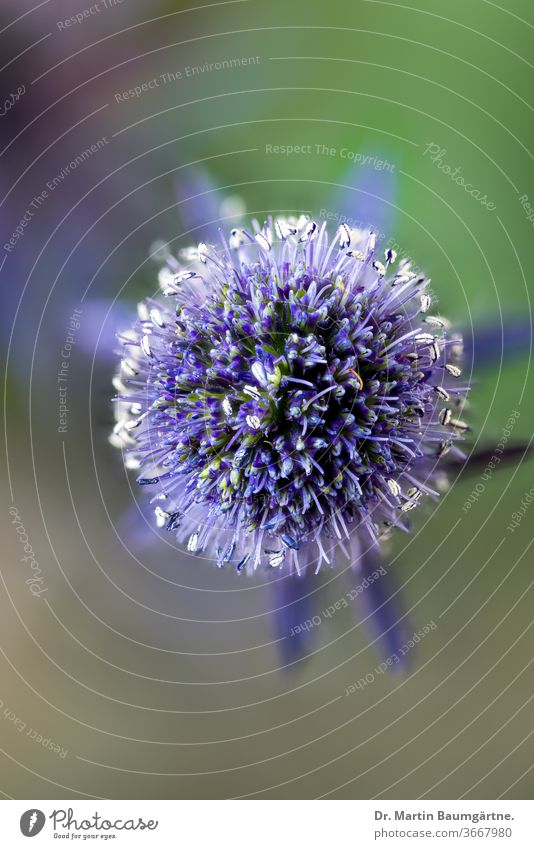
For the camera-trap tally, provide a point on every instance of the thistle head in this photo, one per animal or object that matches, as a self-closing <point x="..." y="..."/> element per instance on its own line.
<point x="288" y="393"/>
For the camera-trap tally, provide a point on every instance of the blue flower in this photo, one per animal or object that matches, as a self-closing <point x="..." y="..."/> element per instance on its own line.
<point x="289" y="394"/>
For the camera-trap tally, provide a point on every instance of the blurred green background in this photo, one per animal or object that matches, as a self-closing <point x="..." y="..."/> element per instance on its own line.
<point x="158" y="675"/>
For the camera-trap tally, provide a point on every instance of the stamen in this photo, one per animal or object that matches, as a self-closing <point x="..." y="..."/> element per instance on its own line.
<point x="344" y="236"/>
<point x="145" y="345"/>
<point x="263" y="241"/>
<point x="434" y="321"/>
<point x="394" y="487"/>
<point x="192" y="542"/>
<point x="276" y="559"/>
<point x="442" y="392"/>
<point x="426" y="302"/>
<point x="310" y="232"/>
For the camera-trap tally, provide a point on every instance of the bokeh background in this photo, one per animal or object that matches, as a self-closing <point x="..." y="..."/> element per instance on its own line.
<point x="152" y="674"/>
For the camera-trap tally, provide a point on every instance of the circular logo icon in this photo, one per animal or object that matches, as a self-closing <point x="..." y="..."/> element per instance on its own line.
<point x="32" y="822"/>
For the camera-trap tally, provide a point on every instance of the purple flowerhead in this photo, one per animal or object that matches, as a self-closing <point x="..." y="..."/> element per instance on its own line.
<point x="289" y="393"/>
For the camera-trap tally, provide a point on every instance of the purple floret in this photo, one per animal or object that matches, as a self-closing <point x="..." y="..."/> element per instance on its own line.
<point x="288" y="393"/>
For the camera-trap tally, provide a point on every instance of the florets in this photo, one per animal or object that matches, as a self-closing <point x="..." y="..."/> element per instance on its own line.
<point x="288" y="392"/>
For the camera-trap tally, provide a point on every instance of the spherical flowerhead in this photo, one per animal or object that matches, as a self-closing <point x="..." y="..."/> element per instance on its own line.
<point x="288" y="393"/>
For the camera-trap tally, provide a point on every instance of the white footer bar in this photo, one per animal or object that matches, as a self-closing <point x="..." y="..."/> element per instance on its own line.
<point x="264" y="824"/>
